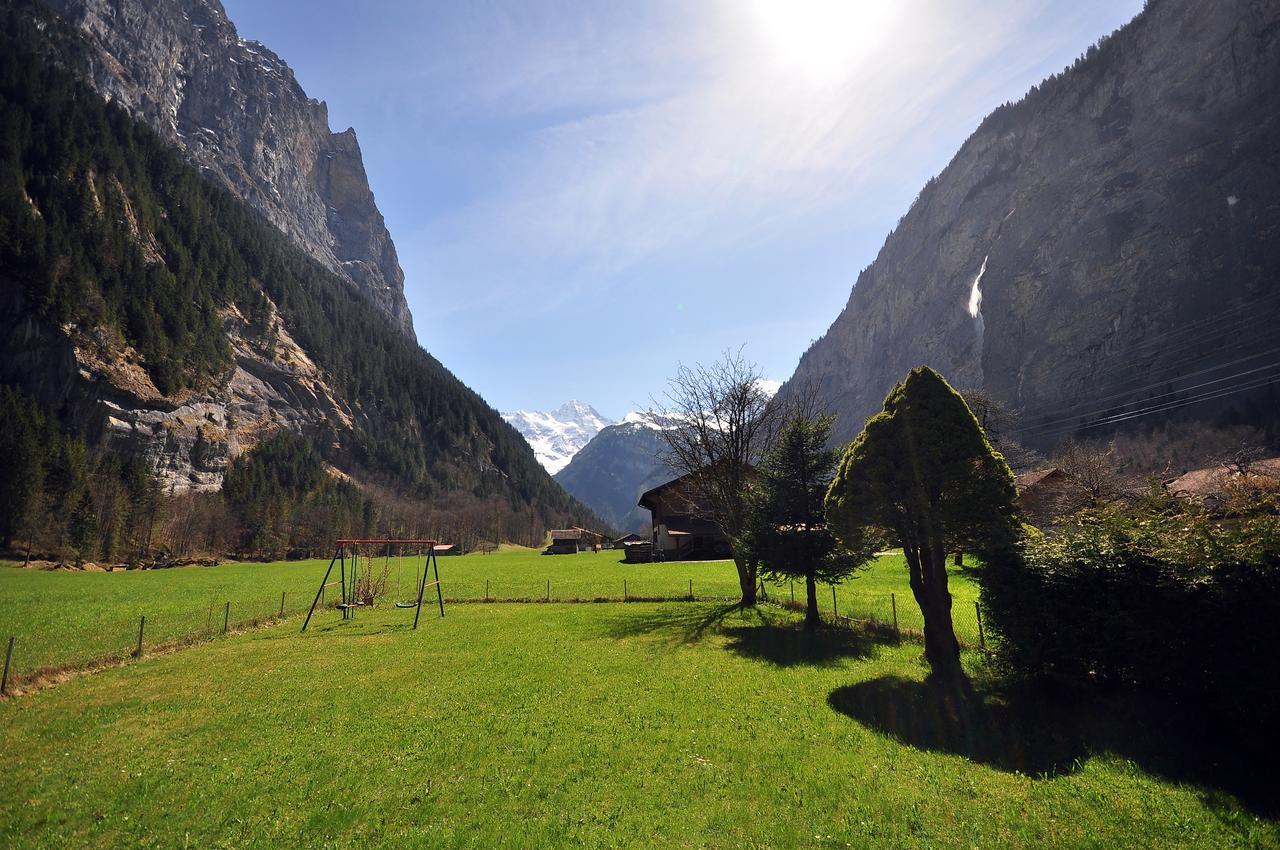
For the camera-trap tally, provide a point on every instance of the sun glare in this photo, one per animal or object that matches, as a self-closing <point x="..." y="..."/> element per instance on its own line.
<point x="823" y="39"/>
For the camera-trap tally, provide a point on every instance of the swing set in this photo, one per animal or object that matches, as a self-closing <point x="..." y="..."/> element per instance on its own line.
<point x="364" y="565"/>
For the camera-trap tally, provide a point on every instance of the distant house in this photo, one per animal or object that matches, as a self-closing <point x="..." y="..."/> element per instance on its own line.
<point x="447" y="549"/>
<point x="1209" y="485"/>
<point x="1046" y="495"/>
<point x="570" y="541"/>
<point x="680" y="533"/>
<point x="628" y="538"/>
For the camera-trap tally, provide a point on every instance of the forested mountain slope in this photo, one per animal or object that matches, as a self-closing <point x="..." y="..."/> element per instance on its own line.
<point x="1101" y="253"/>
<point x="156" y="315"/>
<point x="235" y="109"/>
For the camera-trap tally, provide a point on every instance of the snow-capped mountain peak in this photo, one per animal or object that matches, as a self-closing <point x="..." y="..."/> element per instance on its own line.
<point x="557" y="436"/>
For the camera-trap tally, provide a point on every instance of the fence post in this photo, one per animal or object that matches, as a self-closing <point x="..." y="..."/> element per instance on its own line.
<point x="8" y="654"/>
<point x="624" y="590"/>
<point x="793" y="590"/>
<point x="282" y="603"/>
<point x="142" y="624"/>
<point x="226" y="617"/>
<point x="486" y="590"/>
<point x="690" y="590"/>
<point x="548" y="590"/>
<point x="982" y="639"/>
<point x="893" y="600"/>
<point x="834" y="610"/>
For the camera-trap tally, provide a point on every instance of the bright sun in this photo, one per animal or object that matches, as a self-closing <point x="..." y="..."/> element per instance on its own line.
<point x="823" y="39"/>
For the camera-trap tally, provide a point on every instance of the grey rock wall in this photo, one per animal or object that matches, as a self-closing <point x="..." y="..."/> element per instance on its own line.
<point x="1128" y="216"/>
<point x="238" y="112"/>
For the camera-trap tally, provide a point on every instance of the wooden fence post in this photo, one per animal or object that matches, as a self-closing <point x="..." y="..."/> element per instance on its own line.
<point x="624" y="590"/>
<point x="690" y="590"/>
<point x="4" y="680"/>
<point x="893" y="600"/>
<point x="282" y="603"/>
<point x="142" y="624"/>
<point x="793" y="590"/>
<point x="834" y="609"/>
<point x="226" y="617"/>
<point x="486" y="590"/>
<point x="982" y="639"/>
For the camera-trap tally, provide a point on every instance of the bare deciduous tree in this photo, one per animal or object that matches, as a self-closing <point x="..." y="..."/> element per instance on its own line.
<point x="1242" y="457"/>
<point x="1092" y="470"/>
<point x="1000" y="423"/>
<point x="723" y="420"/>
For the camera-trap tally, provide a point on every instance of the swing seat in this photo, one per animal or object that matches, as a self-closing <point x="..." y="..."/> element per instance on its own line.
<point x="406" y="604"/>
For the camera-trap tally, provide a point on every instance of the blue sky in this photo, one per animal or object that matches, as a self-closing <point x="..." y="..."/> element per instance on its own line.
<point x="584" y="194"/>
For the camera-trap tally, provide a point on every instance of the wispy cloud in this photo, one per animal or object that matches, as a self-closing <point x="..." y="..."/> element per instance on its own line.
<point x="724" y="142"/>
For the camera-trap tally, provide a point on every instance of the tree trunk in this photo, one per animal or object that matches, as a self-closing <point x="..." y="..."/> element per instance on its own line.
<point x="929" y="586"/>
<point x="746" y="580"/>
<point x="812" y="619"/>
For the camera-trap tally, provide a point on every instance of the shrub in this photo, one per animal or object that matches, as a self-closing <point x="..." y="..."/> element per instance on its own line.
<point x="1161" y="596"/>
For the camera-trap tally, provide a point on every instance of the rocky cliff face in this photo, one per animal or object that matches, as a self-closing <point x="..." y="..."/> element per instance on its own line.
<point x="236" y="110"/>
<point x="1104" y="251"/>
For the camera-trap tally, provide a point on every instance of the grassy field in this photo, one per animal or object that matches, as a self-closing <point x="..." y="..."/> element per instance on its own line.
<point x="669" y="724"/>
<point x="63" y="618"/>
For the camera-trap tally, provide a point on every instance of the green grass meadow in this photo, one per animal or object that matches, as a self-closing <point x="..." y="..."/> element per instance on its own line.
<point x="62" y="618"/>
<point x="647" y="724"/>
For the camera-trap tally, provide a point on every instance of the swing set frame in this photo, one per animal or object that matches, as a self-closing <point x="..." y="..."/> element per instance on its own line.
<point x="347" y="581"/>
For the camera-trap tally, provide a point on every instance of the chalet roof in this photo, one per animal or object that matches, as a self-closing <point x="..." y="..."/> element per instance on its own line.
<point x="573" y="534"/>
<point x="647" y="497"/>
<point x="629" y="538"/>
<point x="1031" y="479"/>
<point x="1212" y="479"/>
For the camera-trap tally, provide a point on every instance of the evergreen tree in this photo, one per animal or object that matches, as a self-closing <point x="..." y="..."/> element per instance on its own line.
<point x="787" y="531"/>
<point x="924" y="473"/>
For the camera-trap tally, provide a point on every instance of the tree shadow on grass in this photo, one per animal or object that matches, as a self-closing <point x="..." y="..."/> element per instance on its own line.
<point x="790" y="645"/>
<point x="930" y="716"/>
<point x="1044" y="734"/>
<point x="758" y="633"/>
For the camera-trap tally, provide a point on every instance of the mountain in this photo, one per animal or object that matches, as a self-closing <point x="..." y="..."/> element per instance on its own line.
<point x="156" y="317"/>
<point x="610" y="472"/>
<point x="234" y="108"/>
<point x="557" y="436"/>
<point x="1103" y="252"/>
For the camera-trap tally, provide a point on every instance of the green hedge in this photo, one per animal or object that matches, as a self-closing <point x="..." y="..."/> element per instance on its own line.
<point x="1161" y="597"/>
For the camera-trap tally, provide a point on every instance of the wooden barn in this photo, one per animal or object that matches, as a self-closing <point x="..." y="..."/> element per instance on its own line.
<point x="570" y="541"/>
<point x="680" y="533"/>
<point x="1046" y="495"/>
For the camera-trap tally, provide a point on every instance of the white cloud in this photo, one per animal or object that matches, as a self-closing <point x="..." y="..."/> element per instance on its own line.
<point x="732" y="141"/>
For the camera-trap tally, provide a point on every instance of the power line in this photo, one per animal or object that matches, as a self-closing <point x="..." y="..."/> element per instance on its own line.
<point x="1137" y="390"/>
<point x="1256" y="383"/>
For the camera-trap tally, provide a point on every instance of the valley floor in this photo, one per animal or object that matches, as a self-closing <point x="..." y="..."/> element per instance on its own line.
<point x="65" y="618"/>
<point x="646" y="724"/>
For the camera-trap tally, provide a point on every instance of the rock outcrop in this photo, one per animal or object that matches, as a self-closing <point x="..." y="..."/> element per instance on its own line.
<point x="187" y="440"/>
<point x="1104" y="251"/>
<point x="238" y="112"/>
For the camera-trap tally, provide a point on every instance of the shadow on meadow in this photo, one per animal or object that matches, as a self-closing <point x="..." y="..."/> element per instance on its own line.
<point x="1043" y="735"/>
<point x="757" y="633"/>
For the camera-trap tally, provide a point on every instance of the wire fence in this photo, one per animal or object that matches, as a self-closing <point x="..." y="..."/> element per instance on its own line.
<point x="33" y="657"/>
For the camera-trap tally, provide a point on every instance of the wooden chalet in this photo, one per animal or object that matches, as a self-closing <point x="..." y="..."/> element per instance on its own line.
<point x="570" y="541"/>
<point x="1047" y="495"/>
<point x="680" y="532"/>
<point x="1210" y="485"/>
